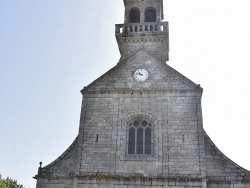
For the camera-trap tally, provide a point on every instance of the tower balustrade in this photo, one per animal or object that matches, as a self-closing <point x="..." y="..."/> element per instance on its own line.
<point x="140" y="29"/>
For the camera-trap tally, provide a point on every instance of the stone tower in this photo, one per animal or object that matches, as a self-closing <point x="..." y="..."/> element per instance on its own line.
<point x="141" y="122"/>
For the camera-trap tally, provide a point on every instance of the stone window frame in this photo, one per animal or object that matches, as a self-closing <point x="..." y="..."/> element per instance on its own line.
<point x="124" y="138"/>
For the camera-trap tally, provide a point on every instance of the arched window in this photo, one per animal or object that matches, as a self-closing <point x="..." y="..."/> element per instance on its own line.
<point x="140" y="137"/>
<point x="134" y="15"/>
<point x="150" y="15"/>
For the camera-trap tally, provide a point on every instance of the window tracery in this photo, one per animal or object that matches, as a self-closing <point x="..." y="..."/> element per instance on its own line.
<point x="140" y="137"/>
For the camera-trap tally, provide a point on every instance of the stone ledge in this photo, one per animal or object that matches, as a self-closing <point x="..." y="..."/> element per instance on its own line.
<point x="140" y="92"/>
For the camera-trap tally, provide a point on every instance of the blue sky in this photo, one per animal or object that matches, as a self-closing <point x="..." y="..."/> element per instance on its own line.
<point x="51" y="49"/>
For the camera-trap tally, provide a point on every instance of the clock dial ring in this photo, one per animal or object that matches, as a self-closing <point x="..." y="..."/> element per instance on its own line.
<point x="140" y="75"/>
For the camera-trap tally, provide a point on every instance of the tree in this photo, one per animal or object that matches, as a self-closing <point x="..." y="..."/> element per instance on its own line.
<point x="9" y="183"/>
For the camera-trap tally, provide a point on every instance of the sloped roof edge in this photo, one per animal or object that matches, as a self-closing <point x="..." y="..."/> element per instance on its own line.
<point x="123" y="62"/>
<point x="224" y="157"/>
<point x="44" y="170"/>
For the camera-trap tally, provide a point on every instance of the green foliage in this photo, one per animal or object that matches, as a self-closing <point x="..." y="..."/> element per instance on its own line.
<point x="9" y="183"/>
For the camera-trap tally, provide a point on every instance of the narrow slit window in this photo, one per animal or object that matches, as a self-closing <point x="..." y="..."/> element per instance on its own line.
<point x="148" y="141"/>
<point x="139" y="148"/>
<point x="131" y="141"/>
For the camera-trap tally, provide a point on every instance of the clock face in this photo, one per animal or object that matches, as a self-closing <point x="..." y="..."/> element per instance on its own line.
<point x="141" y="75"/>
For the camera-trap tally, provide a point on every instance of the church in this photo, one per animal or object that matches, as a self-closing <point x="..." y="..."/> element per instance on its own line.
<point x="141" y="122"/>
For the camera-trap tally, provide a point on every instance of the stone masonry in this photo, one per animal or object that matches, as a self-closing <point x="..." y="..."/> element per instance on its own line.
<point x="182" y="154"/>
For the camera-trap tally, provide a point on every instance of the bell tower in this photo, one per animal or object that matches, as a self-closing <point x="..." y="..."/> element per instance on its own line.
<point x="144" y="8"/>
<point x="143" y="29"/>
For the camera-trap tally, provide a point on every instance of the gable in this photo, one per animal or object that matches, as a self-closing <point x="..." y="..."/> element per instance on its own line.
<point x="161" y="76"/>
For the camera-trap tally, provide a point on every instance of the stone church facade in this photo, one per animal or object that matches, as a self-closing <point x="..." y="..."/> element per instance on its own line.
<point x="141" y="122"/>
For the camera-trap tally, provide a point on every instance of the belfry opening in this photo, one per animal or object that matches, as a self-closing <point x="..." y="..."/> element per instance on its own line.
<point x="150" y="15"/>
<point x="134" y="15"/>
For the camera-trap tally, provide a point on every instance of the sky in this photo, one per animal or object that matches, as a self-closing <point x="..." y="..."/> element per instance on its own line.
<point x="51" y="49"/>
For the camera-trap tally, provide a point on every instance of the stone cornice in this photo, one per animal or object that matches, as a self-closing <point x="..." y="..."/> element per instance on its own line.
<point x="198" y="90"/>
<point x="152" y="177"/>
